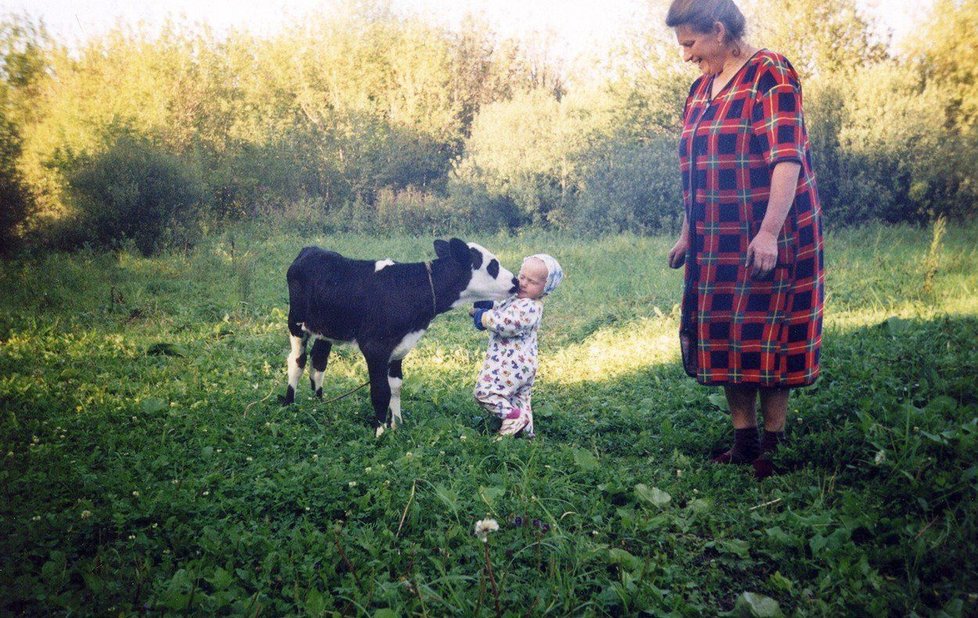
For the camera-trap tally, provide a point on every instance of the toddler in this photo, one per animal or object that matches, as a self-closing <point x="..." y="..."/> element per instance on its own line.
<point x="506" y="380"/>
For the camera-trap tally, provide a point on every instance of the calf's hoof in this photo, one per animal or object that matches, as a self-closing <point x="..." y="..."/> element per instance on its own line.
<point x="288" y="398"/>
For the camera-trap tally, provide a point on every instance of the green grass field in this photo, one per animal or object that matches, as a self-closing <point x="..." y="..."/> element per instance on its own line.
<point x="147" y="466"/>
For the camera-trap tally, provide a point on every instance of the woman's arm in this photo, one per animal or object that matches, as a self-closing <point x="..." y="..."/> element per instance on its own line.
<point x="677" y="255"/>
<point x="762" y="253"/>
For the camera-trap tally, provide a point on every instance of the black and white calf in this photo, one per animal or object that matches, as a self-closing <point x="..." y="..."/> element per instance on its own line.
<point x="383" y="307"/>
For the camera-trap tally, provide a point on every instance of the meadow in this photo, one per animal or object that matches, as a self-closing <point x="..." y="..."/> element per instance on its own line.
<point x="147" y="466"/>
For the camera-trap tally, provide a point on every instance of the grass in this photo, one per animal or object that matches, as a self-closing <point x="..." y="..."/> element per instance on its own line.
<point x="148" y="468"/>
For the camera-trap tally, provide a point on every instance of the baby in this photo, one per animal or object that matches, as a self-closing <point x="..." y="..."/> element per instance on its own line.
<point x="505" y="382"/>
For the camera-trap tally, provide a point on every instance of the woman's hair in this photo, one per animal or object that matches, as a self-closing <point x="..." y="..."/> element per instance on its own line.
<point x="701" y="15"/>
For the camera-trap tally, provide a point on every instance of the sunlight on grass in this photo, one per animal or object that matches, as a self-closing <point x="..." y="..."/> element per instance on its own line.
<point x="614" y="352"/>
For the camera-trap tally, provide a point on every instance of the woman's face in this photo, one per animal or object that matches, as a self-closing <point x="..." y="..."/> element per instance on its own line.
<point x="700" y="48"/>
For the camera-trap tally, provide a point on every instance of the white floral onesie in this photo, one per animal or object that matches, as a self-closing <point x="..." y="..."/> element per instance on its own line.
<point x="506" y="379"/>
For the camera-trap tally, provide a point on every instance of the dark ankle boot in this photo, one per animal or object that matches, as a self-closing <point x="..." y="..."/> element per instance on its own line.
<point x="763" y="466"/>
<point x="746" y="448"/>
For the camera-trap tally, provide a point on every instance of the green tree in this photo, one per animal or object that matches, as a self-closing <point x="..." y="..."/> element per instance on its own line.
<point x="821" y="38"/>
<point x="945" y="52"/>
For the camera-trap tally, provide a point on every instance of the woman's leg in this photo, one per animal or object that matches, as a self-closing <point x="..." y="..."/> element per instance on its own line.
<point x="742" y="401"/>
<point x="774" y="409"/>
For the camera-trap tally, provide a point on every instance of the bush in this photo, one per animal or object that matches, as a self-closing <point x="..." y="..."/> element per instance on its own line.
<point x="628" y="186"/>
<point x="14" y="197"/>
<point x="135" y="192"/>
<point x="416" y="212"/>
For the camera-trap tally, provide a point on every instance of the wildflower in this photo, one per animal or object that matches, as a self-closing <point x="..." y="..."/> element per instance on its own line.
<point x="315" y="456"/>
<point x="132" y="537"/>
<point x="154" y="525"/>
<point x="36" y="518"/>
<point x="462" y="437"/>
<point x="206" y="493"/>
<point x="367" y="469"/>
<point x="249" y="458"/>
<point x="135" y="494"/>
<point x="679" y="473"/>
<point x="86" y="514"/>
<point x="518" y="521"/>
<point x="352" y="483"/>
<point x="483" y="527"/>
<point x="880" y="457"/>
<point x="220" y="450"/>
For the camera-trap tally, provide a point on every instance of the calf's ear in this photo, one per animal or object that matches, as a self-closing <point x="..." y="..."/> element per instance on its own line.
<point x="441" y="248"/>
<point x="460" y="251"/>
<point x="476" y="260"/>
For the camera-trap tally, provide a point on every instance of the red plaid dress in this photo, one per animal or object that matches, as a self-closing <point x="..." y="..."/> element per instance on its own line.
<point x="735" y="329"/>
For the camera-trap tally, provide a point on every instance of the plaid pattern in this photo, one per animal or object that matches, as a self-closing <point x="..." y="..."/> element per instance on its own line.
<point x="735" y="329"/>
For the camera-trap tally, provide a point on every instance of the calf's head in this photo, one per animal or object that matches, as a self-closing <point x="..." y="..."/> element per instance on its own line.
<point x="486" y="278"/>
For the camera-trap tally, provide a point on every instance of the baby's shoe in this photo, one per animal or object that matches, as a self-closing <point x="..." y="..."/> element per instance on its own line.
<point x="514" y="422"/>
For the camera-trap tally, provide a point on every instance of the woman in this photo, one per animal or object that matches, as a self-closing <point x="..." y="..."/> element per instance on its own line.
<point x="751" y="238"/>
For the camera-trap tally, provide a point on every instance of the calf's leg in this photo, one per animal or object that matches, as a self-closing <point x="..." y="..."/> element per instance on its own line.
<point x="320" y="357"/>
<point x="394" y="379"/>
<point x="296" y="363"/>
<point x="380" y="390"/>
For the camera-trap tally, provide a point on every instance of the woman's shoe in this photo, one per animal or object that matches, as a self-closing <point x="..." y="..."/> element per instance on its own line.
<point x="764" y="467"/>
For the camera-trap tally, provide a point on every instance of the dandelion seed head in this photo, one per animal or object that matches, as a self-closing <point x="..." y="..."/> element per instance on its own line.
<point x="483" y="527"/>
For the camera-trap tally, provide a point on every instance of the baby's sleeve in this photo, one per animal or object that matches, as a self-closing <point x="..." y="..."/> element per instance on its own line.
<point x="517" y="318"/>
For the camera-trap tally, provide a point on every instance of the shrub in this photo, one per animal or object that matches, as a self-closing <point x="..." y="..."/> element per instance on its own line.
<point x="628" y="185"/>
<point x="135" y="192"/>
<point x="14" y="197"/>
<point x="416" y="212"/>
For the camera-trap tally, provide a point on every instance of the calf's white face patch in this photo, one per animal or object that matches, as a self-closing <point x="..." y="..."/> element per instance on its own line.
<point x="489" y="281"/>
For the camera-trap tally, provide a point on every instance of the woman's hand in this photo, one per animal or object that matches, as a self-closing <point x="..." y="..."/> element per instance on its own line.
<point x="762" y="254"/>
<point x="677" y="255"/>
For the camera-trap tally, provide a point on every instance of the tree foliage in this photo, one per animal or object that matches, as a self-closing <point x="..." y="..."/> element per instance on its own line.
<point x="380" y="120"/>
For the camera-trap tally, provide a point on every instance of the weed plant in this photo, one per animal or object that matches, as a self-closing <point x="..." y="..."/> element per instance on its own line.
<point x="147" y="466"/>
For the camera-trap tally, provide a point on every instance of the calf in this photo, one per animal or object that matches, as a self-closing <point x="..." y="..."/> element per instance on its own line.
<point x="384" y="308"/>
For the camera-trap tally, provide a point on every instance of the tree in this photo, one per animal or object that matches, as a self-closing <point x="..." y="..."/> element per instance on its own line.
<point x="945" y="52"/>
<point x="819" y="37"/>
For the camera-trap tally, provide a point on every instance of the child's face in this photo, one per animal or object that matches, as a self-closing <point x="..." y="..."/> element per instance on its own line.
<point x="532" y="279"/>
